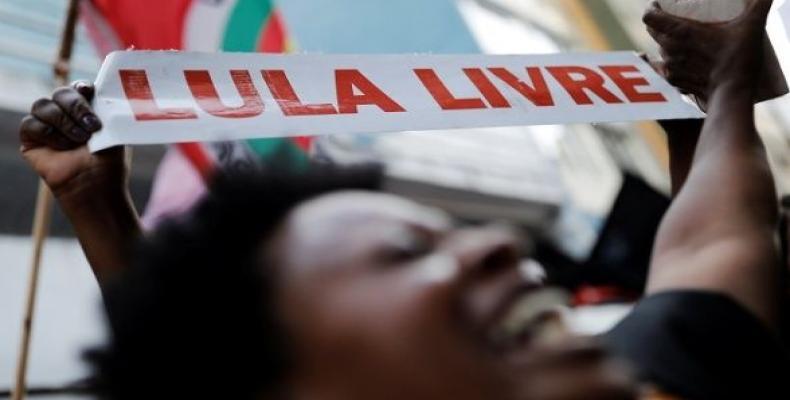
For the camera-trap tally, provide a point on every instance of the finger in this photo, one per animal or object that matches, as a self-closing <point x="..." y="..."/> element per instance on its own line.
<point x="688" y="64"/>
<point x="683" y="69"/>
<point x="675" y="74"/>
<point x="661" y="21"/>
<point x="660" y="67"/>
<point x="689" y="84"/>
<point x="670" y="42"/>
<point x="77" y="108"/>
<point x="85" y="88"/>
<point x="50" y="113"/>
<point x="677" y="63"/>
<point x="690" y="90"/>
<point x="660" y="37"/>
<point x="690" y="87"/>
<point x="689" y="59"/>
<point x="34" y="133"/>
<point x="759" y="10"/>
<point x="657" y="65"/>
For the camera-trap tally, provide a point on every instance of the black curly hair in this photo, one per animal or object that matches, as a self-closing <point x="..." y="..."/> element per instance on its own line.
<point x="195" y="317"/>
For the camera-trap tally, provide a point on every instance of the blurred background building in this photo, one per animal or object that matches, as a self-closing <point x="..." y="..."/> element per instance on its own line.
<point x="561" y="181"/>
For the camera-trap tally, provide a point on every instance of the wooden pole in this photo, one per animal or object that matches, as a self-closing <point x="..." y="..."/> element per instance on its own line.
<point x="43" y="212"/>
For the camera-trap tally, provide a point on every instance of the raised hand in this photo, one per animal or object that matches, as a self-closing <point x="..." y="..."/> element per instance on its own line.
<point x="697" y="56"/>
<point x="54" y="136"/>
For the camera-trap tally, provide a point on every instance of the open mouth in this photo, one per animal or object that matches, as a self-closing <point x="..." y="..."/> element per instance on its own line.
<point x="532" y="317"/>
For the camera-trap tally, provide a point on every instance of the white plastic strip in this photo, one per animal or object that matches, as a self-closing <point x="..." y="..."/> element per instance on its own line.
<point x="167" y="97"/>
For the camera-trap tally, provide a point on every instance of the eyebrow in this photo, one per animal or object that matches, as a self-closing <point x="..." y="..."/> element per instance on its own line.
<point x="526" y="241"/>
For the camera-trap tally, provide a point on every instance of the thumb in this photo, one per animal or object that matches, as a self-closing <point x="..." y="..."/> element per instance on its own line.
<point x="758" y="10"/>
<point x="85" y="88"/>
<point x="658" y="65"/>
<point x="661" y="21"/>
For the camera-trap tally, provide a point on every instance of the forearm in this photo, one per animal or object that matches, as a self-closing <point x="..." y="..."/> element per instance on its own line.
<point x="731" y="148"/>
<point x="719" y="232"/>
<point x="682" y="138"/>
<point x="107" y="226"/>
<point x="730" y="166"/>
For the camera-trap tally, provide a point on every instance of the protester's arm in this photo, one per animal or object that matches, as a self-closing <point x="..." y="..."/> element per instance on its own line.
<point x="687" y="62"/>
<point x="686" y="67"/>
<point x="92" y="189"/>
<point x="682" y="135"/>
<point x="719" y="233"/>
<point x="682" y="138"/>
<point x="106" y="224"/>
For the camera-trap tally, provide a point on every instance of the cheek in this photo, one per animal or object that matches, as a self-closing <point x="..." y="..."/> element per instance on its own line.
<point x="387" y="311"/>
<point x="435" y="271"/>
<point x="420" y="299"/>
<point x="412" y="302"/>
<point x="398" y="324"/>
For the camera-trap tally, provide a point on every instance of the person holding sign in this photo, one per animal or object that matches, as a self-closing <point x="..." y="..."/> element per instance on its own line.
<point x="313" y="285"/>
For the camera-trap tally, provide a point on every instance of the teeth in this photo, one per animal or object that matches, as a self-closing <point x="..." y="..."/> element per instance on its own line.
<point x="537" y="314"/>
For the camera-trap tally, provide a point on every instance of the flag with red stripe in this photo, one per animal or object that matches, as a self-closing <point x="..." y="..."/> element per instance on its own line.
<point x="195" y="25"/>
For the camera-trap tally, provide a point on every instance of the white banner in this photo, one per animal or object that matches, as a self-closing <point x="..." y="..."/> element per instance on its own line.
<point x="784" y="11"/>
<point x="167" y="97"/>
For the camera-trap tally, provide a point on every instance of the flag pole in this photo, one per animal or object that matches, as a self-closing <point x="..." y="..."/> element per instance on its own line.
<point x="43" y="211"/>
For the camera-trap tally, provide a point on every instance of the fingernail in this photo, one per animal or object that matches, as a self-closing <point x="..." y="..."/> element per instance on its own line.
<point x="91" y="122"/>
<point x="79" y="134"/>
<point x="81" y="85"/>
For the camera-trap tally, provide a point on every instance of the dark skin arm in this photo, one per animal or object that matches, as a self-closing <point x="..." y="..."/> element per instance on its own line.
<point x="92" y="189"/>
<point x="719" y="233"/>
<point x="682" y="138"/>
<point x="683" y="135"/>
<point x="687" y="62"/>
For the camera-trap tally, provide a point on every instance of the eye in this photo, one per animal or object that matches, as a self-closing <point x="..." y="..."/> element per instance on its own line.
<point x="407" y="247"/>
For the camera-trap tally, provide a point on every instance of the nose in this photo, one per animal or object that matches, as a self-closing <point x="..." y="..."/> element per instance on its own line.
<point x="485" y="251"/>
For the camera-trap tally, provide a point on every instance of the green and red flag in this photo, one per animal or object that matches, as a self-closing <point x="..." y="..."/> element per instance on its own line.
<point x="193" y="25"/>
<point x="196" y="25"/>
